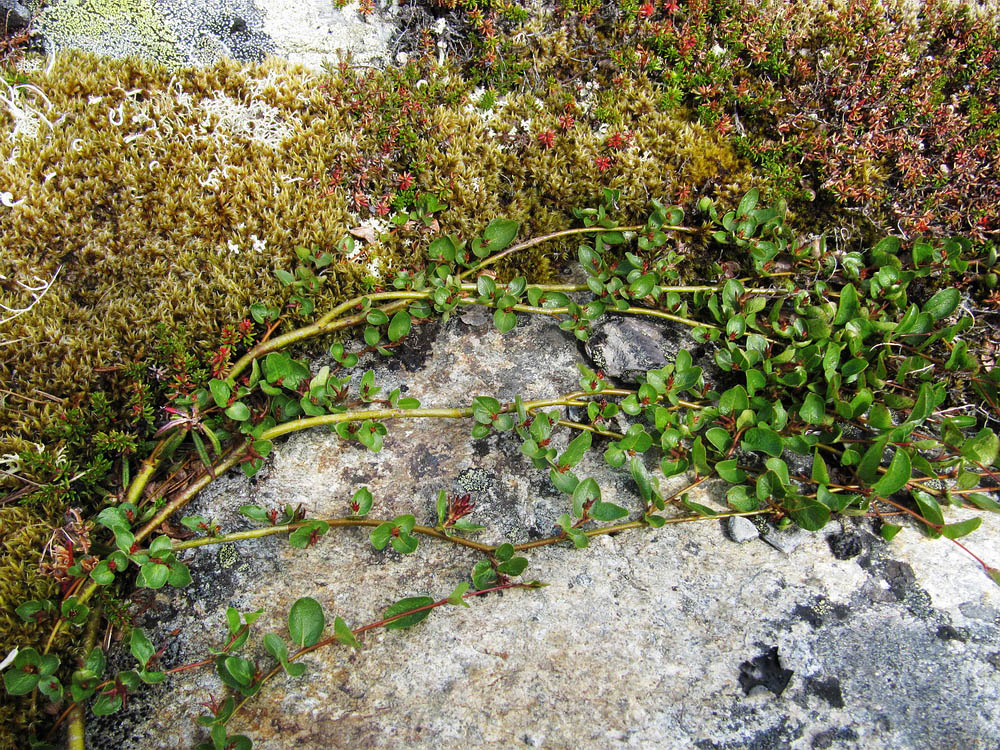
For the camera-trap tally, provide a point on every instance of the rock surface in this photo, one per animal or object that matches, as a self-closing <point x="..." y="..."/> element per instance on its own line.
<point x="13" y="15"/>
<point x="200" y="32"/>
<point x="669" y="638"/>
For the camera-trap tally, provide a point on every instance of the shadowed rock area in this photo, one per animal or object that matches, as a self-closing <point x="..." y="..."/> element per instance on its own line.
<point x="668" y="638"/>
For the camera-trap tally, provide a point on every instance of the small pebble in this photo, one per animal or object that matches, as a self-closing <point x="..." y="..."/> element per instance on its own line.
<point x="740" y="529"/>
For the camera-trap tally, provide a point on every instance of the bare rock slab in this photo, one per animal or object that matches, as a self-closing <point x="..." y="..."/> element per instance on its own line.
<point x="668" y="638"/>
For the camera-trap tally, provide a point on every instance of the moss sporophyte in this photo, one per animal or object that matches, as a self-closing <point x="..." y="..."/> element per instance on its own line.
<point x="812" y="360"/>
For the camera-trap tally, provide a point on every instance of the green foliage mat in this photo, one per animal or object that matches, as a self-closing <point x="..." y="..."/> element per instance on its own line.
<point x="145" y="328"/>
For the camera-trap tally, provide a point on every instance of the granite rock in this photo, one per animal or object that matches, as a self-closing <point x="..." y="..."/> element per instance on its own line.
<point x="638" y="641"/>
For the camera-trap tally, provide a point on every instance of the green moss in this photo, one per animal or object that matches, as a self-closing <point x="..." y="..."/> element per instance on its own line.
<point x="23" y="536"/>
<point x="150" y="221"/>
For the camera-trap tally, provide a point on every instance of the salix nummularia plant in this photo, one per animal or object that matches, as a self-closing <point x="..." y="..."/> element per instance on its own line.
<point x="831" y="361"/>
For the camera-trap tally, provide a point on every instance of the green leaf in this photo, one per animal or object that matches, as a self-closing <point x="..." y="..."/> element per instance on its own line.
<point x="220" y="392"/>
<point x="513" y="567"/>
<point x="847" y="308"/>
<point x="302" y="537"/>
<point x="811" y="516"/>
<point x="499" y="233"/>
<point x="276" y="646"/>
<point x="51" y="688"/>
<point x="983" y="502"/>
<point x="240" y="669"/>
<point x="239" y="412"/>
<point x="575" y="450"/>
<point x="486" y="287"/>
<point x="19" y="682"/>
<point x="74" y="611"/>
<point x="602" y="511"/>
<point x="982" y="448"/>
<point x="960" y="529"/>
<point x="277" y="366"/>
<point x="820" y="473"/>
<point x="485" y="409"/>
<point x="813" y="410"/>
<point x="671" y="468"/>
<point x="443" y="248"/>
<point x="29" y="611"/>
<point x="404" y="544"/>
<point x="361" y="502"/>
<point x="504" y="321"/>
<point x="113" y="518"/>
<point x="377" y="318"/>
<point x="869" y="463"/>
<point x="306" y="622"/>
<point x="233" y="621"/>
<point x="880" y="418"/>
<point x="852" y="368"/>
<point x="141" y="647"/>
<point x="152" y="575"/>
<point x="748" y="202"/>
<point x="699" y="457"/>
<point x="735" y="400"/>
<point x="586" y="491"/>
<point x="381" y="535"/>
<point x="179" y="575"/>
<point x="896" y="476"/>
<point x="255" y="513"/>
<point x="930" y="510"/>
<point x="943" y="303"/>
<point x="642" y="286"/>
<point x="889" y="530"/>
<point x="399" y="326"/>
<point x="755" y="381"/>
<point x="641" y="477"/>
<point x="762" y="439"/>
<point x="407" y="605"/>
<point x="719" y="438"/>
<point x="729" y="471"/>
<point x="483" y="574"/>
<point x="95" y="662"/>
<point x="740" y="499"/>
<point x="343" y="633"/>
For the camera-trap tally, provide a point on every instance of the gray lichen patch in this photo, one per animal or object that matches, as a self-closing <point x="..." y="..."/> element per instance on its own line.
<point x="114" y="28"/>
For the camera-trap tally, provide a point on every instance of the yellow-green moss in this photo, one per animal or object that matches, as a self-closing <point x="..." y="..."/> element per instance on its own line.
<point x="23" y="535"/>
